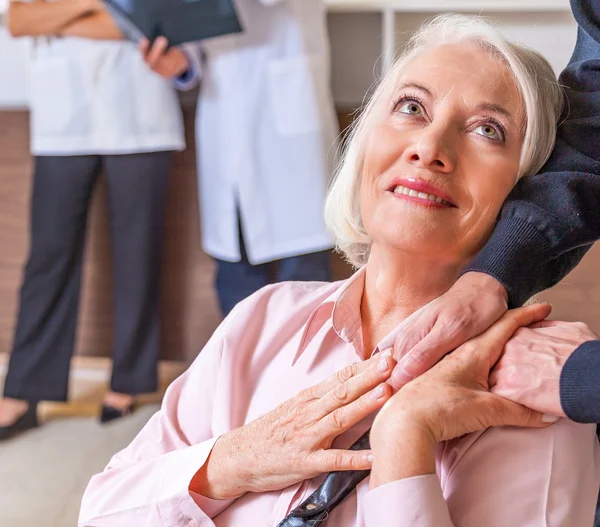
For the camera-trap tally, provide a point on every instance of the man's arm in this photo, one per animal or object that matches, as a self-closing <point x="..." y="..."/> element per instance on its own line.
<point x="38" y="18"/>
<point x="547" y="225"/>
<point x="99" y="25"/>
<point x="550" y="220"/>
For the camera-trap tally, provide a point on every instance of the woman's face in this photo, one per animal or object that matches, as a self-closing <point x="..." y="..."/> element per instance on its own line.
<point x="445" y="155"/>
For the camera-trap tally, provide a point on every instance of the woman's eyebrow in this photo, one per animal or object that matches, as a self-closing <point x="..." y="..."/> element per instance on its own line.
<point x="415" y="86"/>
<point x="490" y="107"/>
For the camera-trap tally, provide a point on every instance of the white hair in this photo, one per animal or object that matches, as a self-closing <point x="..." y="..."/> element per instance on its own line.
<point x="533" y="75"/>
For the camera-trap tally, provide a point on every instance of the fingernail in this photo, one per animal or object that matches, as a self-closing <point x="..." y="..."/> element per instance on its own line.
<point x="547" y="418"/>
<point x="370" y="458"/>
<point x="378" y="392"/>
<point x="401" y="376"/>
<point x="386" y="353"/>
<point x="383" y="366"/>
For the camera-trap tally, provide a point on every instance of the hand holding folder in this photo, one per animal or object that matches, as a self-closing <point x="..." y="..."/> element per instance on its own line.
<point x="179" y="21"/>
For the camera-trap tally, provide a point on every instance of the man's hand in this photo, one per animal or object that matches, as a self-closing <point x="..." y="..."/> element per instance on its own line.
<point x="167" y="62"/>
<point x="474" y="304"/>
<point x="529" y="370"/>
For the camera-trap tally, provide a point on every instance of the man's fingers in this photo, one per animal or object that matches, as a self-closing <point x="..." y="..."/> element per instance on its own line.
<point x="414" y="329"/>
<point x="157" y="51"/>
<point x="495" y="338"/>
<point x="422" y="357"/>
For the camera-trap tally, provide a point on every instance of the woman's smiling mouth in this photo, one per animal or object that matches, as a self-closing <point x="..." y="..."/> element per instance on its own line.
<point x="422" y="196"/>
<point x="420" y="192"/>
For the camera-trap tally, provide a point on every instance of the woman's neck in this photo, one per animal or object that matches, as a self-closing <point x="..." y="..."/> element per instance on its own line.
<point x="396" y="285"/>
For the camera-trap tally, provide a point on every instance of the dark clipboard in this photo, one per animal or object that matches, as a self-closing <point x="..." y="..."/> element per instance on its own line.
<point x="179" y="21"/>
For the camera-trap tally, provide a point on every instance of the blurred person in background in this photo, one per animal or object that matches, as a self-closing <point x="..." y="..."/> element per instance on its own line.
<point x="95" y="107"/>
<point x="266" y="130"/>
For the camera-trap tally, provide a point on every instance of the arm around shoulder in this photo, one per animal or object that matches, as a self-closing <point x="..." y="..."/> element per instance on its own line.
<point x="550" y="220"/>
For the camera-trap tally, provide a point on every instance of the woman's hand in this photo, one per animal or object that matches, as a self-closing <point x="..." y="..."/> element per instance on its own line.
<point x="450" y="400"/>
<point x="471" y="306"/>
<point x="167" y="62"/>
<point x="529" y="370"/>
<point x="292" y="443"/>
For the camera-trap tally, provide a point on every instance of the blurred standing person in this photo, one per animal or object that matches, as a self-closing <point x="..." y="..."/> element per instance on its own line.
<point x="95" y="106"/>
<point x="265" y="136"/>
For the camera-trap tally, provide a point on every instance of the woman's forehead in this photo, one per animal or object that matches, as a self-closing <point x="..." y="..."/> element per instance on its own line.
<point x="462" y="71"/>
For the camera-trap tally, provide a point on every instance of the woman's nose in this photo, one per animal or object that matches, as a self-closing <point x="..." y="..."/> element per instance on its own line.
<point x="432" y="149"/>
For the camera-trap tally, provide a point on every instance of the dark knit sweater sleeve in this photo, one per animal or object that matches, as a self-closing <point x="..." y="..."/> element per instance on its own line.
<point x="550" y="220"/>
<point x="580" y="384"/>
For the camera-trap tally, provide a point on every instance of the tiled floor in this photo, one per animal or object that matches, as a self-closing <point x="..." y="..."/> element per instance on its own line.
<point x="44" y="472"/>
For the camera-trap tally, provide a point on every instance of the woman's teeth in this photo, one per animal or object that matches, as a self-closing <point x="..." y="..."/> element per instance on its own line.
<point x="423" y="195"/>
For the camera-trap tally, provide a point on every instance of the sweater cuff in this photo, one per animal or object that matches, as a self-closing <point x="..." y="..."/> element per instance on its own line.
<point x="513" y="256"/>
<point x="580" y="384"/>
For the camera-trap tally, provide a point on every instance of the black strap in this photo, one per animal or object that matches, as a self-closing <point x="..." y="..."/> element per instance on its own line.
<point x="337" y="485"/>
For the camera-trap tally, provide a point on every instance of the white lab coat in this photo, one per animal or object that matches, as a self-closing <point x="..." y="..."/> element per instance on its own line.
<point x="99" y="97"/>
<point x="266" y="132"/>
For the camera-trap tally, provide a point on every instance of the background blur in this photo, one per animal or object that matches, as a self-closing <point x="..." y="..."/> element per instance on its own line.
<point x="43" y="474"/>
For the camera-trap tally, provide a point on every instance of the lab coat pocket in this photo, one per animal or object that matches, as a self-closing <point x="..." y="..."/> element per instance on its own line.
<point x="50" y="96"/>
<point x="156" y="103"/>
<point x="298" y="94"/>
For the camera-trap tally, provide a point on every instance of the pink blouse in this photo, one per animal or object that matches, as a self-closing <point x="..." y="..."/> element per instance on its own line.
<point x="293" y="335"/>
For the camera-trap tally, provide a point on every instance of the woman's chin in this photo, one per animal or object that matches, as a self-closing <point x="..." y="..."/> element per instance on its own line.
<point x="420" y="245"/>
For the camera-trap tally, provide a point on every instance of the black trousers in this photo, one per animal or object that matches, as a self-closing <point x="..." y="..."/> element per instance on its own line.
<point x="45" y="331"/>
<point x="235" y="281"/>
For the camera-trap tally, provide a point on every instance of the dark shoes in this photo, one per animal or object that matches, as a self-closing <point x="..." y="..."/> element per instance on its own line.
<point x="25" y="422"/>
<point x="29" y="419"/>
<point x="109" y="413"/>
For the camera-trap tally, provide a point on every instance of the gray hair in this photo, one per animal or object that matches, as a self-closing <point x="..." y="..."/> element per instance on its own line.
<point x="535" y="79"/>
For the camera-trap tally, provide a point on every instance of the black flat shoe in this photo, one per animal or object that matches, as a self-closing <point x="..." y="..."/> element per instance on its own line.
<point x="25" y="422"/>
<point x="110" y="413"/>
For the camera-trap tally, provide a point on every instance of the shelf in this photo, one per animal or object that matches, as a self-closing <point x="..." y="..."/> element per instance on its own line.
<point x="426" y="6"/>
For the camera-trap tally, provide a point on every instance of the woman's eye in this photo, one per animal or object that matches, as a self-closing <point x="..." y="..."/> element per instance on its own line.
<point x="489" y="131"/>
<point x="411" y="108"/>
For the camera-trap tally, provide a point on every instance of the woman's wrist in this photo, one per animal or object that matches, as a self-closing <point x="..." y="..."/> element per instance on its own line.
<point x="403" y="451"/>
<point x="221" y="475"/>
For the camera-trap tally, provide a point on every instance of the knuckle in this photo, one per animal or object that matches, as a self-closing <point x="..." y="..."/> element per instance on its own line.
<point x="346" y="374"/>
<point x="336" y="460"/>
<point x="337" y="420"/>
<point x="468" y="348"/>
<point x="340" y="393"/>
<point x="307" y="394"/>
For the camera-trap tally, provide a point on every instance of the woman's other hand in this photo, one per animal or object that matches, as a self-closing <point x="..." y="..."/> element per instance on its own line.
<point x="292" y="443"/>
<point x="450" y="400"/>
<point x="529" y="370"/>
<point x="167" y="62"/>
<point x="469" y="308"/>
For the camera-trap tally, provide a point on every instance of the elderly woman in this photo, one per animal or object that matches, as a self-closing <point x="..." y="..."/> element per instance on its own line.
<point x="294" y="376"/>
